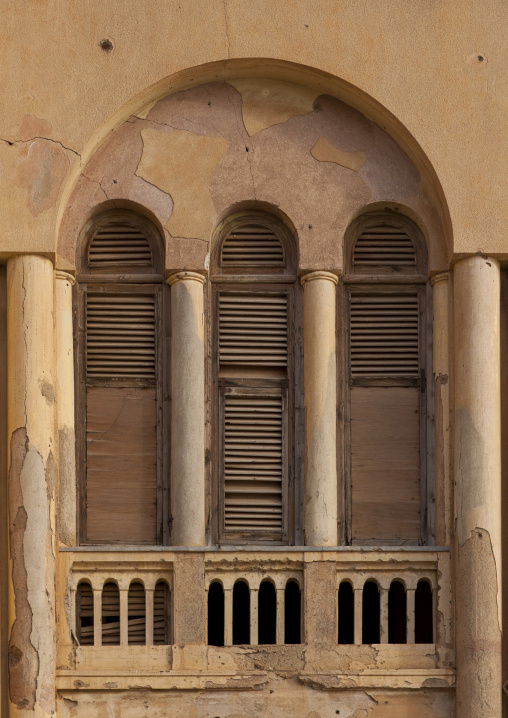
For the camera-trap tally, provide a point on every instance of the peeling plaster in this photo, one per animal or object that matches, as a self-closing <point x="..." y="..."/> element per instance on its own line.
<point x="324" y="151"/>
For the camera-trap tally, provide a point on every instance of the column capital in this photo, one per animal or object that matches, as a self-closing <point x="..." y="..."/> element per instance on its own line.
<point x="330" y="276"/>
<point x="439" y="278"/>
<point x="186" y="276"/>
<point x="60" y="274"/>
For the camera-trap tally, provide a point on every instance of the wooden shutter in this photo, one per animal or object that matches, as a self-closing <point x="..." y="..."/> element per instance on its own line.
<point x="385" y="395"/>
<point x="110" y="615"/>
<point x="252" y="244"/>
<point x="121" y="344"/>
<point x="84" y="614"/>
<point x="161" y="614"/>
<point x="253" y="329"/>
<point x="119" y="245"/>
<point x="136" y="625"/>
<point x="384" y="248"/>
<point x="254" y="462"/>
<point x="384" y="334"/>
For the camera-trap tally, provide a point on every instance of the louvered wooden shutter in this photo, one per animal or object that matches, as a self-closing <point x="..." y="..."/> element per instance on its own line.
<point x="254" y="461"/>
<point x="385" y="364"/>
<point x="84" y="614"/>
<point x="136" y="625"/>
<point x="383" y="249"/>
<point x="384" y="335"/>
<point x="110" y="615"/>
<point x="118" y="246"/>
<point x="253" y="329"/>
<point x="252" y="244"/>
<point x="161" y="614"/>
<point x="121" y="415"/>
<point x="253" y="346"/>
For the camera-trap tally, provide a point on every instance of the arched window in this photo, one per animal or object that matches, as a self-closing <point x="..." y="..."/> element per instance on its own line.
<point x="386" y="397"/>
<point x="121" y="333"/>
<point x="254" y="374"/>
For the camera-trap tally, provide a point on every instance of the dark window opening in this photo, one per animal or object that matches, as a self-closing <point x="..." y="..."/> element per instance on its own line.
<point x="397" y="613"/>
<point x="346" y="613"/>
<point x="110" y="615"/>
<point x="84" y="613"/>
<point x="161" y="614"/>
<point x="241" y="614"/>
<point x="370" y="613"/>
<point x="267" y="613"/>
<point x="215" y="614"/>
<point x="424" y="624"/>
<point x="137" y="614"/>
<point x="292" y="613"/>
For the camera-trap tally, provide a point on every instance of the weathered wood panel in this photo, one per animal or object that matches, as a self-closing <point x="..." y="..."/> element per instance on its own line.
<point x="385" y="463"/>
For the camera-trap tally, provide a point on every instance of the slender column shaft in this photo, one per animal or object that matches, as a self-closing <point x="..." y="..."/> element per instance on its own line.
<point x="254" y="626"/>
<point x="149" y="616"/>
<point x="358" y="616"/>
<point x="97" y="616"/>
<point x="31" y="485"/>
<point x="320" y="503"/>
<point x="188" y="410"/>
<point x="280" y="616"/>
<point x="441" y="374"/>
<point x="64" y="386"/>
<point x="228" y="616"/>
<point x="477" y="468"/>
<point x="384" y="615"/>
<point x="124" y="616"/>
<point x="410" y="608"/>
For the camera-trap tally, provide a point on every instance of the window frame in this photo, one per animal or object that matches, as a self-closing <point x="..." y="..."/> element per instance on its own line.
<point x="385" y="282"/>
<point x="123" y="282"/>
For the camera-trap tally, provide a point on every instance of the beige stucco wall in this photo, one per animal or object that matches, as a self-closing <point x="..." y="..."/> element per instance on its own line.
<point x="413" y="67"/>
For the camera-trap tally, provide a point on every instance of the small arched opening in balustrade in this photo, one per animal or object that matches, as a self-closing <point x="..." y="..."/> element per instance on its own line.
<point x="371" y="628"/>
<point x="136" y="625"/>
<point x="397" y="613"/>
<point x="161" y="607"/>
<point x="346" y="613"/>
<point x="241" y="613"/>
<point x="110" y="614"/>
<point x="216" y="614"/>
<point x="84" y="614"/>
<point x="424" y="613"/>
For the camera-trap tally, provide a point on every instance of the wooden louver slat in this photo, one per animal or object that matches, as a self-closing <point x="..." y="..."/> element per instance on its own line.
<point x="384" y="245"/>
<point x="253" y="464"/>
<point x="253" y="329"/>
<point x="119" y="245"/>
<point x="384" y="334"/>
<point x="120" y="336"/>
<point x="252" y="245"/>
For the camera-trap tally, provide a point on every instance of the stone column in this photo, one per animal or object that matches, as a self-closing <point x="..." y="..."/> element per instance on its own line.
<point x="320" y="493"/>
<point x="441" y="375"/>
<point x="31" y="486"/>
<point x="64" y="385"/>
<point x="187" y="410"/>
<point x="477" y="465"/>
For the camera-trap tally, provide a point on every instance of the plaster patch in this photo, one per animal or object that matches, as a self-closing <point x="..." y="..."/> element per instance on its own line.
<point x="181" y="164"/>
<point x="23" y="656"/>
<point x="271" y="102"/>
<point x="152" y="197"/>
<point x="324" y="151"/>
<point x="32" y="126"/>
<point x="41" y="174"/>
